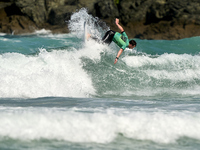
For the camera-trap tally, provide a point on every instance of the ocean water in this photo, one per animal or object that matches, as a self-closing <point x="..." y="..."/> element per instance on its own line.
<point x="59" y="93"/>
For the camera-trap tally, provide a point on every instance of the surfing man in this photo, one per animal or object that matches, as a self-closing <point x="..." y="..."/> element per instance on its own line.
<point x="121" y="39"/>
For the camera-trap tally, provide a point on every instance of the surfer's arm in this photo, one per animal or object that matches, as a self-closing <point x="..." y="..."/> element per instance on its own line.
<point x="117" y="23"/>
<point x="119" y="53"/>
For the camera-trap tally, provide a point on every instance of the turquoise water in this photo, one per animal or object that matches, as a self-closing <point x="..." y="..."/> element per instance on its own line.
<point x="58" y="92"/>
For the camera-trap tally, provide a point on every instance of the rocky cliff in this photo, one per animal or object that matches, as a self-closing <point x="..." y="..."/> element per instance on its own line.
<point x="145" y="19"/>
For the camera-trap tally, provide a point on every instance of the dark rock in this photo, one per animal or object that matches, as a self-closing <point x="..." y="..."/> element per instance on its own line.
<point x="106" y="9"/>
<point x="35" y="10"/>
<point x="145" y="19"/>
<point x="59" y="16"/>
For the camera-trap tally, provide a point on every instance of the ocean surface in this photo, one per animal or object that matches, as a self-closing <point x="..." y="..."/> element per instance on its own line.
<point x="59" y="93"/>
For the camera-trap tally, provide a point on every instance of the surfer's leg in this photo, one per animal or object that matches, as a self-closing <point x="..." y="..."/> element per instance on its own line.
<point x="94" y="38"/>
<point x="107" y="39"/>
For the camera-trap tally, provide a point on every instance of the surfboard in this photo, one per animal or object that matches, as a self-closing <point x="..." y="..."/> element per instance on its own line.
<point x="85" y="32"/>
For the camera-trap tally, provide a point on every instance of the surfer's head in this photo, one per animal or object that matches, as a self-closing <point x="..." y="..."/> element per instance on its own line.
<point x="132" y="44"/>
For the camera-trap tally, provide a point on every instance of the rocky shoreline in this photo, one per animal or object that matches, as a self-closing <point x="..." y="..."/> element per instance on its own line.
<point x="144" y="19"/>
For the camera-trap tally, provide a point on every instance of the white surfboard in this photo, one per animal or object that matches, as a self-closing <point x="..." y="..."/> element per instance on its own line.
<point x="85" y="32"/>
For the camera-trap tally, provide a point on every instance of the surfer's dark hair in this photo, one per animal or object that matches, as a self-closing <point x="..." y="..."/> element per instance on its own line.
<point x="132" y="42"/>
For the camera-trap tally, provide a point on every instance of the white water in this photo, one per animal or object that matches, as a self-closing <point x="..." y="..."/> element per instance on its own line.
<point x="103" y="126"/>
<point x="58" y="73"/>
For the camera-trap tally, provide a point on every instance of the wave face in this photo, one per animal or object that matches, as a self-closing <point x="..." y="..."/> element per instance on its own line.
<point x="44" y="64"/>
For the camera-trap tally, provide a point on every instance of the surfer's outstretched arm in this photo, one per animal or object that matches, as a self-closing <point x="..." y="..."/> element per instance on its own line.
<point x="119" y="53"/>
<point x="117" y="23"/>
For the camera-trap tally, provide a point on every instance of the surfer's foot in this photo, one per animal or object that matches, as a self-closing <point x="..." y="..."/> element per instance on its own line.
<point x="88" y="36"/>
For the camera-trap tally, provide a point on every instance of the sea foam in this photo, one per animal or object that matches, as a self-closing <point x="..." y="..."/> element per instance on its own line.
<point x="103" y="126"/>
<point x="58" y="73"/>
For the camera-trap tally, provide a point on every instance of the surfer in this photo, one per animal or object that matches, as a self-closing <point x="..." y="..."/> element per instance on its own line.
<point x="121" y="39"/>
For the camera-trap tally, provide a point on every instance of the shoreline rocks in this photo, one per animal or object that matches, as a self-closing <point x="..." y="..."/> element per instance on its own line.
<point x="144" y="19"/>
